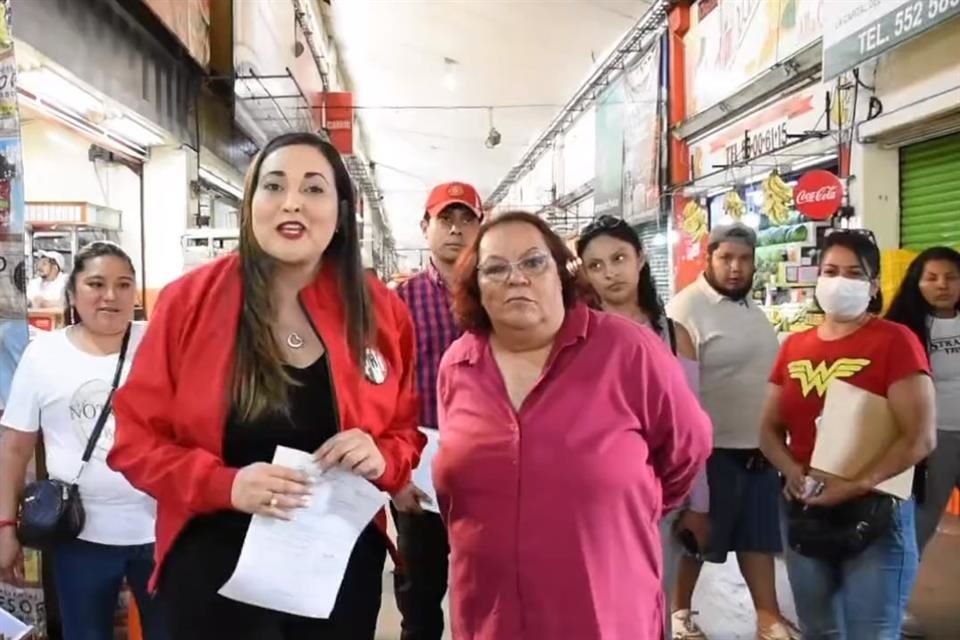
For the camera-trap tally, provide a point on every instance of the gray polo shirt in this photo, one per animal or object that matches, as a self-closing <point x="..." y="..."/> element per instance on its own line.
<point x="736" y="346"/>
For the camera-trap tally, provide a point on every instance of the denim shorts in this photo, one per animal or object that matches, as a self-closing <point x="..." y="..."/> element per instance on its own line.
<point x="864" y="597"/>
<point x="744" y="504"/>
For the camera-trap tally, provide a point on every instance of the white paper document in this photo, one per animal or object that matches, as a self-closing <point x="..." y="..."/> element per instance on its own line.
<point x="297" y="566"/>
<point x="856" y="429"/>
<point x="11" y="628"/>
<point x="423" y="474"/>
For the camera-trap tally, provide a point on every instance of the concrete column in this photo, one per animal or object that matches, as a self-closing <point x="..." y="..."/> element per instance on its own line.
<point x="166" y="184"/>
<point x="875" y="192"/>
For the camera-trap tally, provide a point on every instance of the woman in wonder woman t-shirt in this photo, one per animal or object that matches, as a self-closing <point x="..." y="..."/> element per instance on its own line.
<point x="862" y="596"/>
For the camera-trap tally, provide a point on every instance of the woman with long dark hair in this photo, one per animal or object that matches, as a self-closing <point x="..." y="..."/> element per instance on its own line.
<point x="619" y="274"/>
<point x="286" y="343"/>
<point x="927" y="303"/>
<point x="60" y="389"/>
<point x="618" y="270"/>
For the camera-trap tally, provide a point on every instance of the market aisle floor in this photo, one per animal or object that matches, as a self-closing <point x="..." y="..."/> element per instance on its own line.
<point x="726" y="612"/>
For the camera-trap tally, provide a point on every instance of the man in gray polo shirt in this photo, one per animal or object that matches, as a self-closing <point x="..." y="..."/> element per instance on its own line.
<point x="736" y="347"/>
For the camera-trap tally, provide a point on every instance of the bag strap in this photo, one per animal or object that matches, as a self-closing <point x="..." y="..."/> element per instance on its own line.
<point x="108" y="404"/>
<point x="671" y="330"/>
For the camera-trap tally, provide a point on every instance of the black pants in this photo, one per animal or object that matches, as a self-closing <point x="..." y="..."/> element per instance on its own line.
<point x="197" y="612"/>
<point x="423" y="584"/>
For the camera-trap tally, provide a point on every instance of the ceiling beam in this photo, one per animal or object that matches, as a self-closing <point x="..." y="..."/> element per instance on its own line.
<point x="636" y="40"/>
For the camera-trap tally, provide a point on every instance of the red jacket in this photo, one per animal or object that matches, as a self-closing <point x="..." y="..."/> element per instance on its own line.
<point x="171" y="412"/>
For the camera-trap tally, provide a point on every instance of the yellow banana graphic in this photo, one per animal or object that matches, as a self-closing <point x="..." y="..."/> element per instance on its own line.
<point x="694" y="221"/>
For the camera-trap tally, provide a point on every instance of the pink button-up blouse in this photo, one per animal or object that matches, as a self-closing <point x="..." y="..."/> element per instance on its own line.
<point x="553" y="511"/>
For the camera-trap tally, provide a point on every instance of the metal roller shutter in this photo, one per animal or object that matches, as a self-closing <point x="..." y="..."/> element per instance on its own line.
<point x="930" y="194"/>
<point x="655" y="249"/>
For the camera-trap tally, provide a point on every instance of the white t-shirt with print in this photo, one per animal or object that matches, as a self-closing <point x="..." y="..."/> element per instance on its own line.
<point x="60" y="389"/>
<point x="945" y="362"/>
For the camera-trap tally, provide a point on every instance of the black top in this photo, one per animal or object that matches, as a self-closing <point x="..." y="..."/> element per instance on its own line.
<point x="208" y="548"/>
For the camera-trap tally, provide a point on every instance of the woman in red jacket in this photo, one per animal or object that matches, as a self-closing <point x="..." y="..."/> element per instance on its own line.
<point x="286" y="343"/>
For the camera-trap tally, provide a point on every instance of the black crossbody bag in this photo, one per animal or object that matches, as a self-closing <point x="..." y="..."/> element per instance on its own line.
<point x="51" y="511"/>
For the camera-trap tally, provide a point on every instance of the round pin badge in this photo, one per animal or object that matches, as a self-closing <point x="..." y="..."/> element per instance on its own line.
<point x="374" y="366"/>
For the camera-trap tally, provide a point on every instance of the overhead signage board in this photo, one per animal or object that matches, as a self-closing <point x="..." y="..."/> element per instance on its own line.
<point x="857" y="30"/>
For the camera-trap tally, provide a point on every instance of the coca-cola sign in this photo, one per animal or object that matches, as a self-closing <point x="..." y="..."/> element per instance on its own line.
<point x="818" y="194"/>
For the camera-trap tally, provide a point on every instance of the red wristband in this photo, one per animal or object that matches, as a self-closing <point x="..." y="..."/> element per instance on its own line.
<point x="7" y="523"/>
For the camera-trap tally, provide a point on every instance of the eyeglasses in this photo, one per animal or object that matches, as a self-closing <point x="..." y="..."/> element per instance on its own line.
<point x="604" y="222"/>
<point x="499" y="270"/>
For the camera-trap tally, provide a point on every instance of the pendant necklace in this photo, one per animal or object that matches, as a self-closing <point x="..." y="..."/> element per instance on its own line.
<point x="294" y="341"/>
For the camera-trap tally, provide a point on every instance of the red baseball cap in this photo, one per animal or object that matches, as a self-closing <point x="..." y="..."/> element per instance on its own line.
<point x="450" y="193"/>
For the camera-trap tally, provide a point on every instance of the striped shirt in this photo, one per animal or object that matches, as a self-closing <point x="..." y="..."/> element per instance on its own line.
<point x="427" y="297"/>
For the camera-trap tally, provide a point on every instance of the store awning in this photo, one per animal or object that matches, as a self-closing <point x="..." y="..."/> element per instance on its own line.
<point x="274" y="104"/>
<point x="933" y="117"/>
<point x="795" y="157"/>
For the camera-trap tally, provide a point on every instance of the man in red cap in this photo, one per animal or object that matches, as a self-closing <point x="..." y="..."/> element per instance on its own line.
<point x="450" y="223"/>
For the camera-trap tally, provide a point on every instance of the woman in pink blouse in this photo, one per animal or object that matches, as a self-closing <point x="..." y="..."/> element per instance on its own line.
<point x="565" y="434"/>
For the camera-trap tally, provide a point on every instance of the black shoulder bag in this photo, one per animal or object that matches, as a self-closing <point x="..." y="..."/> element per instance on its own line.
<point x="51" y="511"/>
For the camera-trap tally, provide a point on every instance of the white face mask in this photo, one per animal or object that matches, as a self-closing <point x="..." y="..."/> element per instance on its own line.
<point x="843" y="298"/>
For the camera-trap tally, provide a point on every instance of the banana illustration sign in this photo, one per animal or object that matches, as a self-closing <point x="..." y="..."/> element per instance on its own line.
<point x="695" y="221"/>
<point x="818" y="378"/>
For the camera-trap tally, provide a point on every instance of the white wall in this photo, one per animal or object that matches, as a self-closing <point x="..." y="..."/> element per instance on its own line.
<point x="923" y="67"/>
<point x="904" y="78"/>
<point x="57" y="169"/>
<point x="166" y="184"/>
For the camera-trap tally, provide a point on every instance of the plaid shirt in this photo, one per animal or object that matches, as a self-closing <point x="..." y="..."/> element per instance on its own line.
<point x="427" y="297"/>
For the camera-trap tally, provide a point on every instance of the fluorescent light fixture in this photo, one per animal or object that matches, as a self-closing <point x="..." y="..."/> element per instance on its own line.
<point x="128" y="128"/>
<point x="719" y="191"/>
<point x="220" y="183"/>
<point x="811" y="162"/>
<point x="49" y="85"/>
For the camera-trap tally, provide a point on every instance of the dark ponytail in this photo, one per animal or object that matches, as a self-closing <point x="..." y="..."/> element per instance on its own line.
<point x="96" y="249"/>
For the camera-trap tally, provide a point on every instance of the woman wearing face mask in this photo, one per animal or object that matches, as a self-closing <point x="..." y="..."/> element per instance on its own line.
<point x="619" y="274"/>
<point x="286" y="343"/>
<point x="927" y="303"/>
<point x="566" y="433"/>
<point x="59" y="389"/>
<point x="862" y="595"/>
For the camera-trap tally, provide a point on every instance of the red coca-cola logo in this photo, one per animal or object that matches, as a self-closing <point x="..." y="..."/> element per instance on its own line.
<point x="818" y="194"/>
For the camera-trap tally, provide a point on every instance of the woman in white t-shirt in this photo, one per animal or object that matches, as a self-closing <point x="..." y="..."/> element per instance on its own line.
<point x="928" y="302"/>
<point x="60" y="387"/>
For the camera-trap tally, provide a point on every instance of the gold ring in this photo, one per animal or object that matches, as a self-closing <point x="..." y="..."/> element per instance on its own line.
<point x="273" y="501"/>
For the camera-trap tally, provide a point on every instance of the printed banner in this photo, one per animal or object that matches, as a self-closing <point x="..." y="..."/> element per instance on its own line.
<point x="730" y="42"/>
<point x="641" y="139"/>
<point x="608" y="185"/>
<point x="768" y="129"/>
<point x="857" y="30"/>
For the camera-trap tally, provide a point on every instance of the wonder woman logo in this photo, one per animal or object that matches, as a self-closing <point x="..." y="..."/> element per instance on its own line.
<point x="819" y="377"/>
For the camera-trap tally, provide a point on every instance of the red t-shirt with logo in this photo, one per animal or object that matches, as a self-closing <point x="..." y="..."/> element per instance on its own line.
<point x="873" y="357"/>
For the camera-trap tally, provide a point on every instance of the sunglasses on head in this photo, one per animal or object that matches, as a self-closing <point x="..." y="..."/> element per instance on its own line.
<point x="866" y="233"/>
<point x="602" y="223"/>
